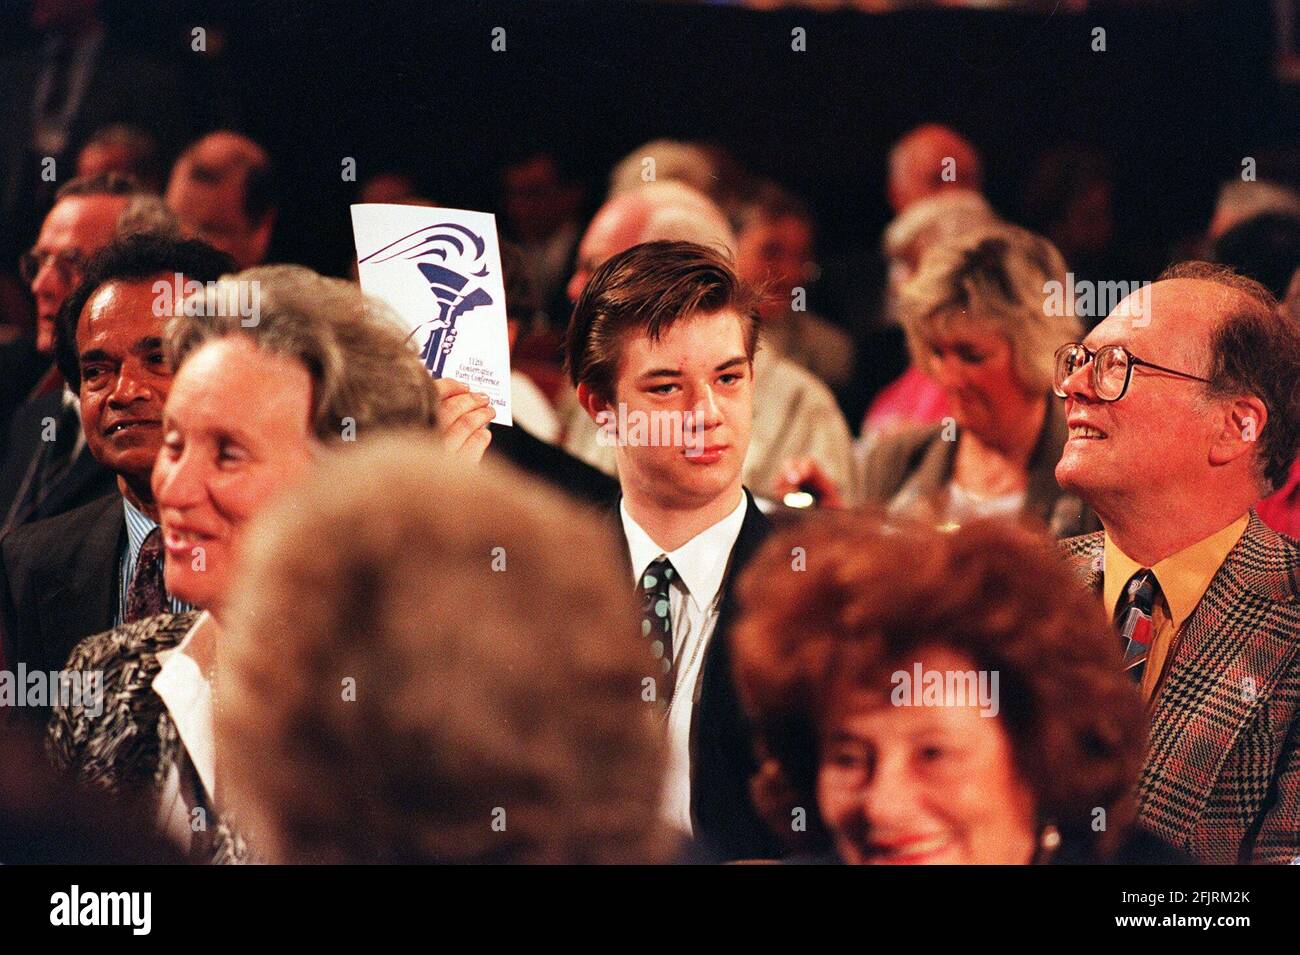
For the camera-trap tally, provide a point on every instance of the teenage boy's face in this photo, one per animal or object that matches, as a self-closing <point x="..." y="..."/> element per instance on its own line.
<point x="690" y="397"/>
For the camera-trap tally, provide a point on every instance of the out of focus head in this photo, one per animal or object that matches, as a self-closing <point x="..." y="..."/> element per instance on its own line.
<point x="1070" y="199"/>
<point x="977" y="321"/>
<point x="654" y="211"/>
<point x="272" y="364"/>
<point x="126" y="150"/>
<point x="522" y="305"/>
<point x="940" y="218"/>
<point x="665" y="160"/>
<point x="774" y="246"/>
<point x="64" y="16"/>
<point x="1170" y="444"/>
<point x="392" y="186"/>
<point x="84" y="219"/>
<point x="538" y="196"/>
<point x="451" y="685"/>
<point x="223" y="189"/>
<point x="108" y="345"/>
<point x="1265" y="248"/>
<point x="1239" y="201"/>
<point x="928" y="160"/>
<point x="1031" y="723"/>
<point x="665" y="333"/>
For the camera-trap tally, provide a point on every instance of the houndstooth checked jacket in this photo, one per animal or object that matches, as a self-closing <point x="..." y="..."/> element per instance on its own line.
<point x="1222" y="774"/>
<point x="133" y="744"/>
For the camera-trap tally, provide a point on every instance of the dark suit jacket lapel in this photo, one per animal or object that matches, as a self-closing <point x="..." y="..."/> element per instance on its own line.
<point x="1238" y="633"/>
<point x="753" y="531"/>
<point x="84" y="603"/>
<point x="76" y="485"/>
<point x="722" y="760"/>
<point x="722" y="752"/>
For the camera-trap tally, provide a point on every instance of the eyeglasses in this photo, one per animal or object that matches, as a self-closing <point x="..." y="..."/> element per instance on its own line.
<point x="68" y="264"/>
<point x="1112" y="369"/>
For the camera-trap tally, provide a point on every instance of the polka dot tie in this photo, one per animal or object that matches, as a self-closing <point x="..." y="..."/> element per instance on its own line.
<point x="657" y="623"/>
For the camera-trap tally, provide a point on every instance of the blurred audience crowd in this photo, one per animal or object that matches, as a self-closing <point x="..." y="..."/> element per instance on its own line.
<point x="1001" y="568"/>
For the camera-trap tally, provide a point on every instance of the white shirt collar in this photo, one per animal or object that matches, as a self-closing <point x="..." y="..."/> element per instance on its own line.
<point x="701" y="562"/>
<point x="187" y="695"/>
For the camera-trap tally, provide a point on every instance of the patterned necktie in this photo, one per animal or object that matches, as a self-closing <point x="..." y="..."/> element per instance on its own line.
<point x="1133" y="621"/>
<point x="657" y="623"/>
<point x="145" y="595"/>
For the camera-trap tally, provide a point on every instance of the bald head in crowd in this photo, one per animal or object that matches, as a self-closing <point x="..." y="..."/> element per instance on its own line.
<point x="221" y="189"/>
<point x="1220" y="414"/>
<point x="918" y="166"/>
<point x="88" y="213"/>
<point x="656" y="210"/>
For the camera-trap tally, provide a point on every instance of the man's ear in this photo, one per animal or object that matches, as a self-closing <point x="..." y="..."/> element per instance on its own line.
<point x="591" y="402"/>
<point x="1243" y="421"/>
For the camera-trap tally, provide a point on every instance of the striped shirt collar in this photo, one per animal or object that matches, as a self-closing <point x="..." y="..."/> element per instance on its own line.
<point x="138" y="527"/>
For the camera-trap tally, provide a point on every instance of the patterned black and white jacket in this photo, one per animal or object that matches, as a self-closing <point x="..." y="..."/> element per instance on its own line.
<point x="132" y="745"/>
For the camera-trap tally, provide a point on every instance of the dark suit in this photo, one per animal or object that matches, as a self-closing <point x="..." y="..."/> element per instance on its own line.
<point x="59" y="582"/>
<point x="85" y="479"/>
<point x="21" y="367"/>
<point x="1222" y="774"/>
<point x="553" y="465"/>
<point x="722" y="754"/>
<point x="116" y="93"/>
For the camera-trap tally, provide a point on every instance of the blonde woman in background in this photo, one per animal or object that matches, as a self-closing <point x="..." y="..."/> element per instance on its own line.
<point x="980" y="322"/>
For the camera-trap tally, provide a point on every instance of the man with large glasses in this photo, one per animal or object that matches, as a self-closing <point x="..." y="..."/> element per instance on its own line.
<point x="1183" y="409"/>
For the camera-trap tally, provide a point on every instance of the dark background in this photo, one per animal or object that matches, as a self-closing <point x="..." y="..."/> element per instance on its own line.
<point x="1178" y="98"/>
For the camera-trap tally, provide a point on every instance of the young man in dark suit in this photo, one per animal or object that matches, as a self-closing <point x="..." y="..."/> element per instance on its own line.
<point x="1184" y="410"/>
<point x="660" y="348"/>
<point x="85" y="571"/>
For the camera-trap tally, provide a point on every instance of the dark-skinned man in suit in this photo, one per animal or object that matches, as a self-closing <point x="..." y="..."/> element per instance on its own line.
<point x="79" y="573"/>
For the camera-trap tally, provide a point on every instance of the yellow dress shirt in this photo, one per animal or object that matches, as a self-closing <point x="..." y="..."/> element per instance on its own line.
<point x="1183" y="577"/>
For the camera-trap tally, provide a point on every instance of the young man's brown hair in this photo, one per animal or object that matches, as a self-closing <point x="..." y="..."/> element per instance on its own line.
<point x="647" y="288"/>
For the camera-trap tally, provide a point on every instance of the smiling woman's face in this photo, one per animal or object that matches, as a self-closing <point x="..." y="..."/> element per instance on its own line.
<point x="916" y="785"/>
<point x="236" y="431"/>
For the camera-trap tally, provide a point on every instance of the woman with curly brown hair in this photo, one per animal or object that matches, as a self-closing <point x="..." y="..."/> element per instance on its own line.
<point x="922" y="697"/>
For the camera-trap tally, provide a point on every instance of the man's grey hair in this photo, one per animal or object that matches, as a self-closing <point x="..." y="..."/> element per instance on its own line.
<point x="674" y="161"/>
<point x="680" y="213"/>
<point x="1248" y="199"/>
<point x="938" y="218"/>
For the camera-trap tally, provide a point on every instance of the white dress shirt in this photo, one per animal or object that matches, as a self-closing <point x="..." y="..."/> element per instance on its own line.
<point x="694" y="598"/>
<point x="530" y="408"/>
<point x="187" y="694"/>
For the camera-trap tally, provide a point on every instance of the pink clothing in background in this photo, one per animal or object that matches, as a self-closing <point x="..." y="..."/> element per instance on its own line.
<point x="1281" y="511"/>
<point x="910" y="399"/>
